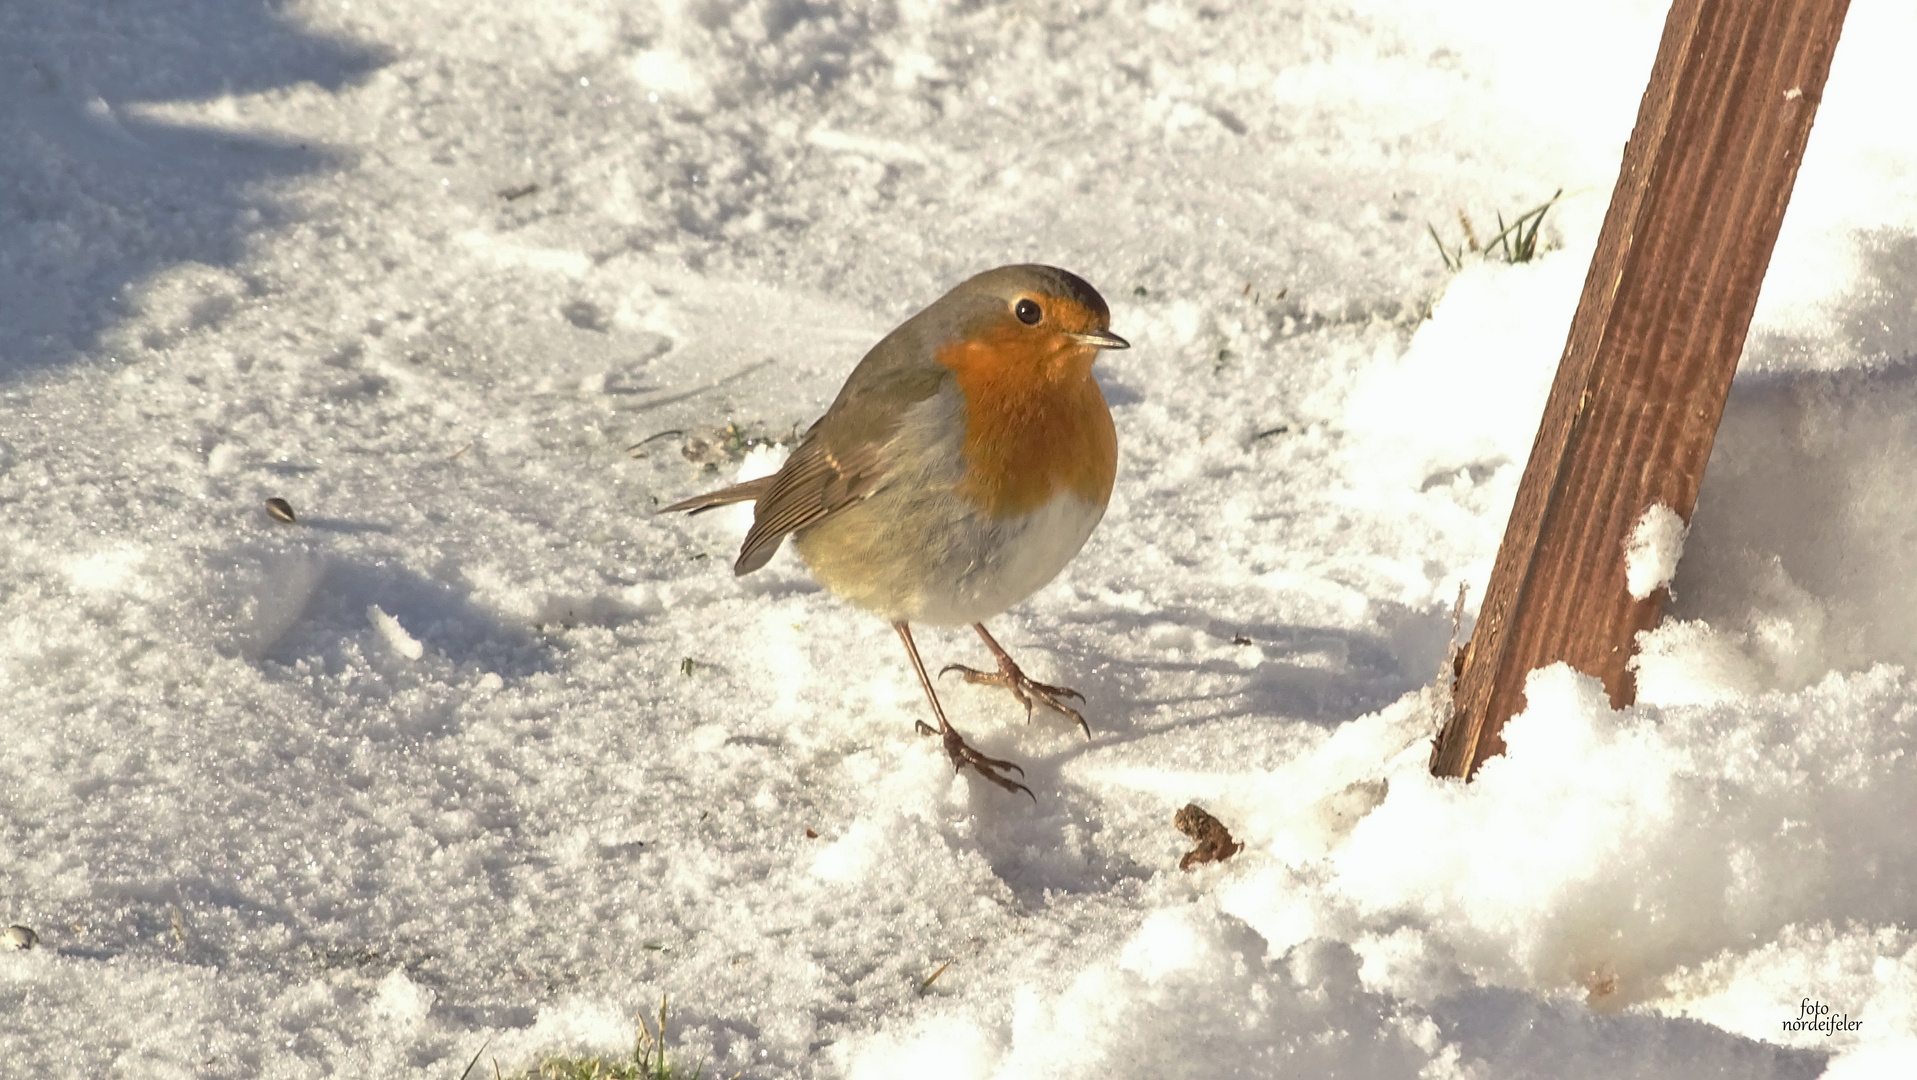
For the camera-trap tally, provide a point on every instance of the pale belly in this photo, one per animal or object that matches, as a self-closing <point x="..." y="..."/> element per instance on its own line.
<point x="916" y="559"/>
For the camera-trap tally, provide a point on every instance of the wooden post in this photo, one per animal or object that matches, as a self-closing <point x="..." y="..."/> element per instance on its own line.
<point x="1649" y="360"/>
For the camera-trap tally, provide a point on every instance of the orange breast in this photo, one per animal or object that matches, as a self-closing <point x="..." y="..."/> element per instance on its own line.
<point x="1036" y="424"/>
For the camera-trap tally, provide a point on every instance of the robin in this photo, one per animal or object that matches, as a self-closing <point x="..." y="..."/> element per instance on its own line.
<point x="962" y="465"/>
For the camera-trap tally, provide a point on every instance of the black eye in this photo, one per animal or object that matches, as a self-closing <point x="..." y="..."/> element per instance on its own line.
<point x="1028" y="312"/>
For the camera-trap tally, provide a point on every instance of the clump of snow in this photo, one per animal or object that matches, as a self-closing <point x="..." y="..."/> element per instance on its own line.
<point x="394" y="634"/>
<point x="400" y="1001"/>
<point x="1634" y="843"/>
<point x="1652" y="551"/>
<point x="1191" y="989"/>
<point x="1684" y="662"/>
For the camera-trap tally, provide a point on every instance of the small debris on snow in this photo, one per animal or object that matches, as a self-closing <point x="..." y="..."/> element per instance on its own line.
<point x="1213" y="840"/>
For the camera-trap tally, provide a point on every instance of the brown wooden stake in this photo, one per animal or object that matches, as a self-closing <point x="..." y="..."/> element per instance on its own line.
<point x="1659" y="328"/>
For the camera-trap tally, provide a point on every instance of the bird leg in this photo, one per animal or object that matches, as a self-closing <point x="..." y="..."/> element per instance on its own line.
<point x="961" y="754"/>
<point x="1024" y="689"/>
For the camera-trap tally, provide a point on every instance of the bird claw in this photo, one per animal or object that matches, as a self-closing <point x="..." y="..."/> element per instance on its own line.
<point x="1024" y="689"/>
<point x="990" y="768"/>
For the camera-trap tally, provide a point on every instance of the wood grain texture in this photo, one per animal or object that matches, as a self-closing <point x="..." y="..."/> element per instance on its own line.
<point x="1660" y="325"/>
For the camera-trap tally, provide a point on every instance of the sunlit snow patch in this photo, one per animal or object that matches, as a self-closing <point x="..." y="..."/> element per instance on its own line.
<point x="104" y="571"/>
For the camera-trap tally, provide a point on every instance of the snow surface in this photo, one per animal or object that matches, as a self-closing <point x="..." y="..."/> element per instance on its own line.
<point x="484" y="753"/>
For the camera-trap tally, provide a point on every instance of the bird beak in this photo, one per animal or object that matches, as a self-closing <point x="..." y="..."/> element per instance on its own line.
<point x="1101" y="339"/>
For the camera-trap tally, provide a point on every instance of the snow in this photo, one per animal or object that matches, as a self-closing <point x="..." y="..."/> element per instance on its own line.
<point x="1652" y="551"/>
<point x="482" y="752"/>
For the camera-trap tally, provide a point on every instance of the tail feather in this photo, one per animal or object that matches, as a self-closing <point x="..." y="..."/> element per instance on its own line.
<point x="737" y="493"/>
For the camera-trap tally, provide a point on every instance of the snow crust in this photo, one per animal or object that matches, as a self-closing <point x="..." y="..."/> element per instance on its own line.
<point x="484" y="752"/>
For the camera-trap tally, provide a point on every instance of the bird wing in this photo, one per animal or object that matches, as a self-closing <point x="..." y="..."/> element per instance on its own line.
<point x="816" y="482"/>
<point x="845" y="457"/>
